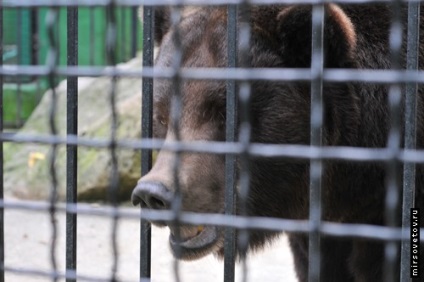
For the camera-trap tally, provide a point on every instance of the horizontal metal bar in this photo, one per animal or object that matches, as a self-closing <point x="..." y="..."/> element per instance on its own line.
<point x="264" y="223"/>
<point x="91" y="3"/>
<point x="238" y="74"/>
<point x="214" y="147"/>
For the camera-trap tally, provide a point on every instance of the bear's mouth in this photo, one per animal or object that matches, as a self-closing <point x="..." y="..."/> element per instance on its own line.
<point x="193" y="242"/>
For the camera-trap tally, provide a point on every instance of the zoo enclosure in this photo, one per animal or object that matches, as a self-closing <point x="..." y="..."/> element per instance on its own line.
<point x="235" y="146"/>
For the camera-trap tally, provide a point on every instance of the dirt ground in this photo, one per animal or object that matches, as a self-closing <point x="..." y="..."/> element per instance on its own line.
<point x="28" y="244"/>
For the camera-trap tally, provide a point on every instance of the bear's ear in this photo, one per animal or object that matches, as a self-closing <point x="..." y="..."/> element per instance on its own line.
<point x="295" y="34"/>
<point x="162" y="22"/>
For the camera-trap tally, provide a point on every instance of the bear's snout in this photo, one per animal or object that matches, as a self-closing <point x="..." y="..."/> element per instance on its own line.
<point x="152" y="195"/>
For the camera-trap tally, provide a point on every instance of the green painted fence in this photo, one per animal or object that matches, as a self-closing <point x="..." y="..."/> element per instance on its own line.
<point x="25" y="42"/>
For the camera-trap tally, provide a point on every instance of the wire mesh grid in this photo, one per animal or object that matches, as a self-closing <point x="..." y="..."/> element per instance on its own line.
<point x="399" y="162"/>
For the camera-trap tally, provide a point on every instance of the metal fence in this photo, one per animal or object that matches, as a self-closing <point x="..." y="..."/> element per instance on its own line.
<point x="235" y="147"/>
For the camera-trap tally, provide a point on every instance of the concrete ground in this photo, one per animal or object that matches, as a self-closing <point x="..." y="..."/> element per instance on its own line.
<point x="27" y="246"/>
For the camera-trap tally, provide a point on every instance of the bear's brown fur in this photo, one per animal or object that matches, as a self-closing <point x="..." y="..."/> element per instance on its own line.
<point x="355" y="114"/>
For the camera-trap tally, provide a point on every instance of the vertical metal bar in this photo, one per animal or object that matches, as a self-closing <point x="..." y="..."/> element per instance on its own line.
<point x="134" y="32"/>
<point x="409" y="169"/>
<point x="175" y="117"/>
<point x="58" y="41"/>
<point x="92" y="35"/>
<point x="123" y="41"/>
<point x="244" y="95"/>
<point x="315" y="205"/>
<point x="113" y="193"/>
<point x="34" y="35"/>
<point x="119" y="14"/>
<point x="146" y="132"/>
<point x="71" y="150"/>
<point x="37" y="54"/>
<point x="19" y="79"/>
<point x="393" y="168"/>
<point x="230" y="160"/>
<point x="1" y="155"/>
<point x="51" y="23"/>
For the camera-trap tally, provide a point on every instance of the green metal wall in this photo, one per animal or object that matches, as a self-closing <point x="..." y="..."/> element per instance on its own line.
<point x="20" y="97"/>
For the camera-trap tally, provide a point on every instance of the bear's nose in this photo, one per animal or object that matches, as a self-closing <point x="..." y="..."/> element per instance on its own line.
<point x="152" y="195"/>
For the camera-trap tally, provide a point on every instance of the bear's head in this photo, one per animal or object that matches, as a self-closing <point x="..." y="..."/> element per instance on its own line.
<point x="280" y="113"/>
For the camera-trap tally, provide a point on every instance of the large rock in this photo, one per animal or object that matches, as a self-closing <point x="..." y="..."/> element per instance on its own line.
<point x="26" y="168"/>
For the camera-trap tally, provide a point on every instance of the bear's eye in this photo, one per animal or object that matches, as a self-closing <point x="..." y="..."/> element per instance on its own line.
<point x="163" y="121"/>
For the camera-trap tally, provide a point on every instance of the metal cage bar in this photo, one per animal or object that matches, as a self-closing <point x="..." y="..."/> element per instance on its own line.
<point x="231" y="135"/>
<point x="244" y="131"/>
<point x="175" y="118"/>
<point x="134" y="32"/>
<point x="18" y="116"/>
<point x="392" y="156"/>
<point x="1" y="156"/>
<point x="71" y="151"/>
<point x="51" y="22"/>
<point x="277" y="74"/>
<point x="146" y="132"/>
<point x="393" y="177"/>
<point x="409" y="169"/>
<point x="88" y="3"/>
<point x="113" y="189"/>
<point x="317" y="114"/>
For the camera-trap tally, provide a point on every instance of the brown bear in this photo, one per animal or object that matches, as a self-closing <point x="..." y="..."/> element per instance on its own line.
<point x="356" y="114"/>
